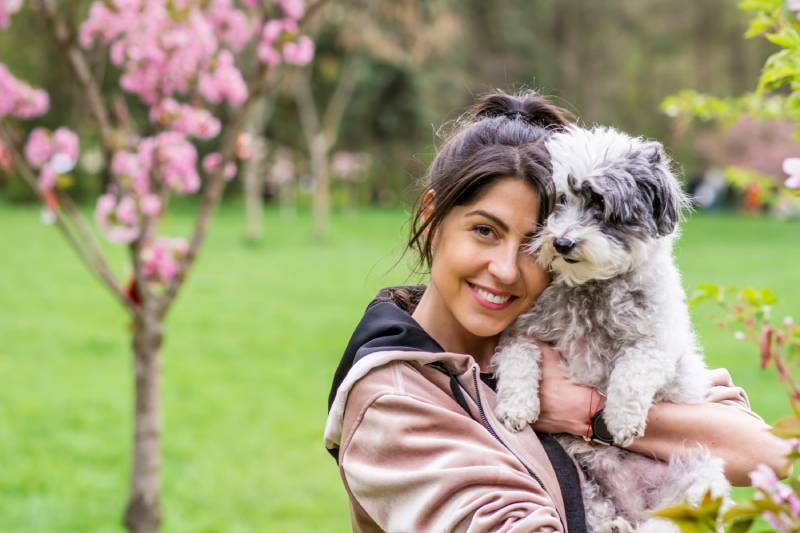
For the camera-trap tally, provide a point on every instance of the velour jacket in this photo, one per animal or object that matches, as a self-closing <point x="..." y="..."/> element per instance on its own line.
<point x="420" y="449"/>
<point x="418" y="443"/>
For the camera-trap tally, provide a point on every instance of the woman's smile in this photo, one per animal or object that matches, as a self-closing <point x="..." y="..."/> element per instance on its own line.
<point x="491" y="299"/>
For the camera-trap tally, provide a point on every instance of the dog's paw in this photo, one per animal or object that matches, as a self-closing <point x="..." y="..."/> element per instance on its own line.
<point x="619" y="525"/>
<point x="517" y="413"/>
<point x="624" y="428"/>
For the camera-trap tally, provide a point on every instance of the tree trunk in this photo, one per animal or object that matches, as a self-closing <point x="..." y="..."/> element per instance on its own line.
<point x="320" y="201"/>
<point x="253" y="191"/>
<point x="143" y="514"/>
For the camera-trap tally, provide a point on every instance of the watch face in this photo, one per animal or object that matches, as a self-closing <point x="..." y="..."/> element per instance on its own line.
<point x="599" y="430"/>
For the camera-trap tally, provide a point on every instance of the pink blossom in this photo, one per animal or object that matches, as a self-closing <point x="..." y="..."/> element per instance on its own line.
<point x="162" y="55"/>
<point x="174" y="161"/>
<point x="19" y="99"/>
<point x="791" y="166"/>
<point x="47" y="178"/>
<point x="211" y="163"/>
<point x="293" y="9"/>
<point x="223" y="82"/>
<point x="233" y="26"/>
<point x="119" y="227"/>
<point x="8" y="8"/>
<point x="38" y="147"/>
<point x="65" y="142"/>
<point x="764" y="478"/>
<point x="150" y="205"/>
<point x="794" y="5"/>
<point x="186" y="119"/>
<point x="161" y="259"/>
<point x="300" y="52"/>
<point x="280" y="41"/>
<point x="130" y="168"/>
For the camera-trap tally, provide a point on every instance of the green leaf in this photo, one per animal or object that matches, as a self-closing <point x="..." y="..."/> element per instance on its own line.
<point x="768" y="297"/>
<point x="742" y="526"/>
<point x="759" y="25"/>
<point x="759" y="5"/>
<point x="745" y="510"/>
<point x="750" y="295"/>
<point x="787" y="38"/>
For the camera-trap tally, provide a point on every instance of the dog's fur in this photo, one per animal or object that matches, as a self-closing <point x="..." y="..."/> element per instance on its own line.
<point x="616" y="312"/>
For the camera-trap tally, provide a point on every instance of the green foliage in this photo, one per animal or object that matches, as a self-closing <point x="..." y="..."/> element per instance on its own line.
<point x="777" y="24"/>
<point x="700" y="518"/>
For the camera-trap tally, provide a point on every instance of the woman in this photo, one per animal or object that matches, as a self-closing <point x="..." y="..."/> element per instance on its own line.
<point x="412" y="406"/>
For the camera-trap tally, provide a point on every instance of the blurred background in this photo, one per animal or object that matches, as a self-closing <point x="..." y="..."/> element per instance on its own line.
<point x="252" y="346"/>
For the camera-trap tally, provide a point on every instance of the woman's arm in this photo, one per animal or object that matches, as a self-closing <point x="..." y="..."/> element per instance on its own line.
<point x="724" y="425"/>
<point x="729" y="432"/>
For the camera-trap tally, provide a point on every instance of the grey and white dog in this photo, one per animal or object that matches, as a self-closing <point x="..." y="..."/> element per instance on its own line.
<point x="616" y="312"/>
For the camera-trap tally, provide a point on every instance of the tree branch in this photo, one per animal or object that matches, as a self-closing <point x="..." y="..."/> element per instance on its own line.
<point x="341" y="97"/>
<point x="88" y="252"/>
<point x="82" y="71"/>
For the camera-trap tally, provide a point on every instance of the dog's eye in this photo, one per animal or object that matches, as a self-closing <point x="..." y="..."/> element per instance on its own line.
<point x="562" y="198"/>
<point x="598" y="202"/>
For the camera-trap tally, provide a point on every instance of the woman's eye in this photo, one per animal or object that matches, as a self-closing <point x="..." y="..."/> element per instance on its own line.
<point x="484" y="231"/>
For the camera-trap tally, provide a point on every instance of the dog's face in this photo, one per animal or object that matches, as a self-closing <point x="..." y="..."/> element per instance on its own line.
<point x="616" y="197"/>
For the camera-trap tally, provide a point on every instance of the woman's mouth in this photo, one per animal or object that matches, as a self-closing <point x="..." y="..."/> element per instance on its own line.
<point x="489" y="299"/>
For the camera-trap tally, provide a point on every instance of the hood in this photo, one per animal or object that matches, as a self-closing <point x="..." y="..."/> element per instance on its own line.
<point x="386" y="326"/>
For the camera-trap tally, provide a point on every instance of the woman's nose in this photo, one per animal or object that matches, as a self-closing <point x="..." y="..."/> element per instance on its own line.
<point x="504" y="266"/>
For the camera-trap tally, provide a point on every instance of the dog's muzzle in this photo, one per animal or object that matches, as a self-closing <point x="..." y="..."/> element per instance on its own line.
<point x="564" y="246"/>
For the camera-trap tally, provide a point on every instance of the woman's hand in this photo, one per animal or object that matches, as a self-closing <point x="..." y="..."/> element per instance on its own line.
<point x="565" y="407"/>
<point x="724" y="391"/>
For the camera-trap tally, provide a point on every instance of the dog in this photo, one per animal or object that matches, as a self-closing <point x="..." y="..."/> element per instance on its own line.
<point x="617" y="313"/>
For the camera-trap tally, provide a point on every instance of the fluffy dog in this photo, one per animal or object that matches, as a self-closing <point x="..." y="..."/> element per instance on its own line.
<point x="616" y="312"/>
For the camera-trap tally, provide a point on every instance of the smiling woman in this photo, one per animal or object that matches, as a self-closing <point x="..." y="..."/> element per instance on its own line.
<point x="412" y="406"/>
<point x="482" y="278"/>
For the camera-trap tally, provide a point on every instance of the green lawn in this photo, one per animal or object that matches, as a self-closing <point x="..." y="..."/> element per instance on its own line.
<point x="250" y="349"/>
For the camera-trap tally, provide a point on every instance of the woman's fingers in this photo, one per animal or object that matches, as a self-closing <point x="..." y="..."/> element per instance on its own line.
<point x="720" y="377"/>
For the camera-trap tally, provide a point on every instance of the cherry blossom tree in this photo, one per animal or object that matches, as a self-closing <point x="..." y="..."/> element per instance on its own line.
<point x="189" y="62"/>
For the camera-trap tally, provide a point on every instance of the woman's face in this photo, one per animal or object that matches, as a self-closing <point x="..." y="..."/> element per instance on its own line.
<point x="480" y="271"/>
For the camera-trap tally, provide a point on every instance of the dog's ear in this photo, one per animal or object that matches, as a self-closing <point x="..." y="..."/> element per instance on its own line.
<point x="661" y="188"/>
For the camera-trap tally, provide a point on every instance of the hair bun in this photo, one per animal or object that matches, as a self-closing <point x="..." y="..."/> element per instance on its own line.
<point x="534" y="109"/>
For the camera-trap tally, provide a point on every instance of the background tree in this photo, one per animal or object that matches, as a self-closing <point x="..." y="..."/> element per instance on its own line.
<point x="176" y="62"/>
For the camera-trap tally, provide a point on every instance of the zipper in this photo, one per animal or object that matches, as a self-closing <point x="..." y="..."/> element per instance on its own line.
<point x="506" y="446"/>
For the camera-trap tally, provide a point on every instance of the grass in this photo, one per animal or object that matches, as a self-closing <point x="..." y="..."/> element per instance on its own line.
<point x="250" y="349"/>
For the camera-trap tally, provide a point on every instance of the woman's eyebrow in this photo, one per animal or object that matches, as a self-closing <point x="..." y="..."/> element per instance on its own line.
<point x="481" y="212"/>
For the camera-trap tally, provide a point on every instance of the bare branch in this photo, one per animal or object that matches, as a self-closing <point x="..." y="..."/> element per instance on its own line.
<point x="341" y="96"/>
<point x="82" y="71"/>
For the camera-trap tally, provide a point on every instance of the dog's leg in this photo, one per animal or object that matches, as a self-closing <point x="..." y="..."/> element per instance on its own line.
<point x="517" y="365"/>
<point x="638" y="373"/>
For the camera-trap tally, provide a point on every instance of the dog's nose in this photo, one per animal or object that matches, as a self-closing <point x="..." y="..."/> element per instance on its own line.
<point x="563" y="246"/>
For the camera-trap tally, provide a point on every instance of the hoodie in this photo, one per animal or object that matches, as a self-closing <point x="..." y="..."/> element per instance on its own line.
<point x="387" y="336"/>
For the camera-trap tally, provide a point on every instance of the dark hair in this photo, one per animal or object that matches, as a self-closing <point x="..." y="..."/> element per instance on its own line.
<point x="500" y="136"/>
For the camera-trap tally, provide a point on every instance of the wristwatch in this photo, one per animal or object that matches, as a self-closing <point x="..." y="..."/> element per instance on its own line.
<point x="600" y="433"/>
